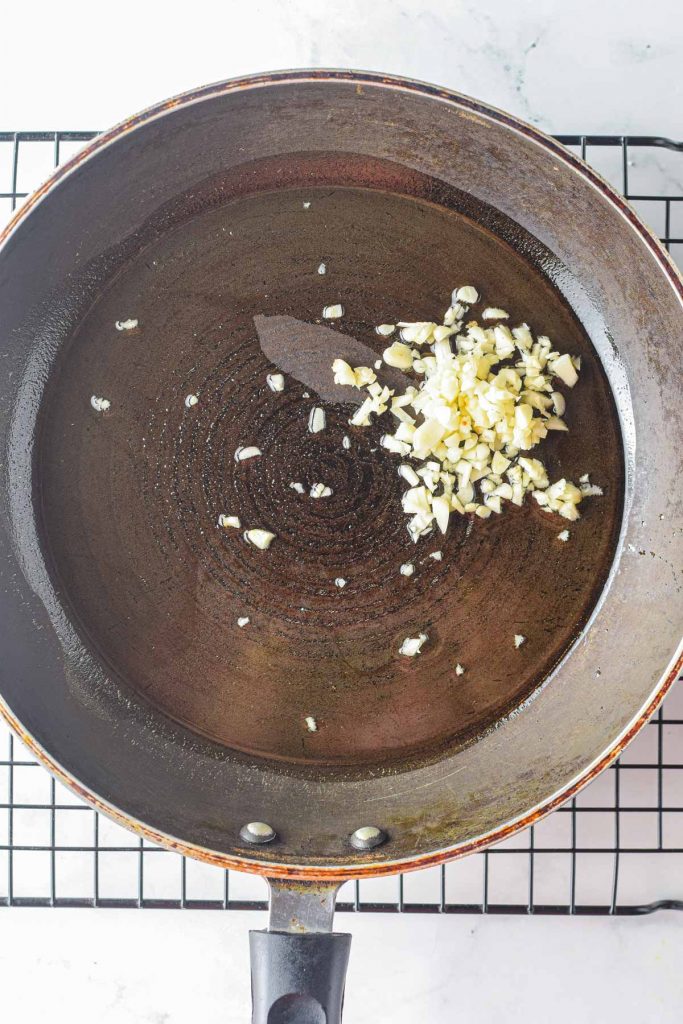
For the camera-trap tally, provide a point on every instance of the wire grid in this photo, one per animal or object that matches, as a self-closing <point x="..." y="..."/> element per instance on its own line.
<point x="617" y="848"/>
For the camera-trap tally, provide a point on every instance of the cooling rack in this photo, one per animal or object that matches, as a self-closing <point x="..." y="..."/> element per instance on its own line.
<point x="617" y="848"/>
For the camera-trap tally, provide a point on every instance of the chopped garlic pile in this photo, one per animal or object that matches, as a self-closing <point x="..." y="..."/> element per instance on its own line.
<point x="483" y="398"/>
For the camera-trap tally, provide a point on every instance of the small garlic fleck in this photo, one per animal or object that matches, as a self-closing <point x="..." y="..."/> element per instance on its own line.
<point x="275" y="381"/>
<point x="519" y="639"/>
<point x="307" y="205"/>
<point x="340" y="582"/>
<point x="563" y="535"/>
<point x="245" y="452"/>
<point x="322" y="269"/>
<point x="398" y="355"/>
<point x="385" y="330"/>
<point x="407" y="569"/>
<point x="409" y="474"/>
<point x="306" y="394"/>
<point x="333" y="312"/>
<point x="412" y="645"/>
<point x="311" y="723"/>
<point x="346" y="442"/>
<point x="491" y="313"/>
<point x="320" y="491"/>
<point x="459" y="670"/>
<point x="226" y="521"/>
<point x="259" y="538"/>
<point x="467" y="294"/>
<point x="190" y="400"/>
<point x="436" y="555"/>
<point x="298" y="487"/>
<point x="100" y="404"/>
<point x="244" y="620"/>
<point x="316" y="420"/>
<point x="126" y="325"/>
<point x="378" y="364"/>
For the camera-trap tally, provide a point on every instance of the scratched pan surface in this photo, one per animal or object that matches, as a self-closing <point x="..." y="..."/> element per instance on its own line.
<point x="131" y="500"/>
<point x="208" y="224"/>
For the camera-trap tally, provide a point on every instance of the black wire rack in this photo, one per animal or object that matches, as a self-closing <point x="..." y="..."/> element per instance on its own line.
<point x="616" y="849"/>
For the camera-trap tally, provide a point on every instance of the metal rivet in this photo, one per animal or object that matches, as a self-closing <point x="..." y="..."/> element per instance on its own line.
<point x="368" y="837"/>
<point x="257" y="832"/>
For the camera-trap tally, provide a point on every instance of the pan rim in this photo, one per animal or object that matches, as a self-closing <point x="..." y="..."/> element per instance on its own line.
<point x="346" y="872"/>
<point x="674" y="278"/>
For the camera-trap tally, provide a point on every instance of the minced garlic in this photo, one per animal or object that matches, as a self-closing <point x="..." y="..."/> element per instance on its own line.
<point x="316" y="420"/>
<point x="245" y="452"/>
<point x="229" y="521"/>
<point x="320" y="491"/>
<point x="412" y="645"/>
<point x="259" y="538"/>
<point x="482" y="399"/>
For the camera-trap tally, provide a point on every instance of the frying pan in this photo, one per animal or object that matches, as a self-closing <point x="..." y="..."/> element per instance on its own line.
<point x="206" y="219"/>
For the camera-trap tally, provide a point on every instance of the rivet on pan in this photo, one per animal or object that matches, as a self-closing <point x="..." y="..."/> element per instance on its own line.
<point x="368" y="837"/>
<point x="257" y="832"/>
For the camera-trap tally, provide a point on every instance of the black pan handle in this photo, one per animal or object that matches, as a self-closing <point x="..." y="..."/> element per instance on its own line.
<point x="298" y="966"/>
<point x="298" y="978"/>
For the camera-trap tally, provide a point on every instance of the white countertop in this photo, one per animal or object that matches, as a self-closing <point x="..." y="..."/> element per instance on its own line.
<point x="583" y="66"/>
<point x="167" y="967"/>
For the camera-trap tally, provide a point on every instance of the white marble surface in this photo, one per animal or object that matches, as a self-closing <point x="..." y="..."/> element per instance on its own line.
<point x="567" y="67"/>
<point x="584" y="65"/>
<point x="160" y="967"/>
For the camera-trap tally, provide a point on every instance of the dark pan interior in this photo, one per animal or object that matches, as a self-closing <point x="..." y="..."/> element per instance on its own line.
<point x="119" y="597"/>
<point x="130" y="499"/>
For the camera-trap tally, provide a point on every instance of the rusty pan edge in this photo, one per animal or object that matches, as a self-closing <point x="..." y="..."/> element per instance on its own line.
<point x="675" y="279"/>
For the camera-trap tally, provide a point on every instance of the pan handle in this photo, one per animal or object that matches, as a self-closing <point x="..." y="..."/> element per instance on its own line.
<point x="298" y="966"/>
